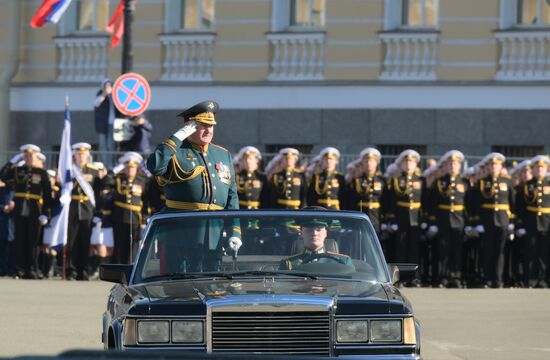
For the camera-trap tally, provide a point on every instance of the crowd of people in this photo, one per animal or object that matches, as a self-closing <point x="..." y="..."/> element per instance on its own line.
<point x="483" y="226"/>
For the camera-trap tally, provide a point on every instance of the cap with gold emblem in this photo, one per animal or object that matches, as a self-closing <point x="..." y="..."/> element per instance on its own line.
<point x="29" y="148"/>
<point x="249" y="150"/>
<point x="541" y="160"/>
<point x="370" y="152"/>
<point x="131" y="158"/>
<point x="409" y="155"/>
<point x="289" y="152"/>
<point x="330" y="152"/>
<point x="495" y="157"/>
<point x="81" y="147"/>
<point x="203" y="112"/>
<point x="452" y="155"/>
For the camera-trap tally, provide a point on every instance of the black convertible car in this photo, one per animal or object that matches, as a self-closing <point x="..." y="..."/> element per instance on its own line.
<point x="278" y="294"/>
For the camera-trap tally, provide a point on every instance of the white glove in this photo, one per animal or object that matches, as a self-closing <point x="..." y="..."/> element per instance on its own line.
<point x="394" y="227"/>
<point x="521" y="232"/>
<point x="96" y="220"/>
<point x="383" y="227"/>
<point x="432" y="231"/>
<point x="189" y="128"/>
<point x="16" y="158"/>
<point x="468" y="230"/>
<point x="512" y="236"/>
<point x="235" y="243"/>
<point x="511" y="227"/>
<point x="480" y="229"/>
<point x="43" y="220"/>
<point x="423" y="226"/>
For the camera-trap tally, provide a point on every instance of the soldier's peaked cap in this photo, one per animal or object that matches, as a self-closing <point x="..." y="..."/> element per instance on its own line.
<point x="409" y="154"/>
<point x="250" y="150"/>
<point x="202" y="112"/>
<point x="131" y="157"/>
<point x="31" y="148"/>
<point x="289" y="151"/>
<point x="370" y="152"/>
<point x="541" y="160"/>
<point x="452" y="155"/>
<point x="330" y="152"/>
<point x="81" y="146"/>
<point x="495" y="157"/>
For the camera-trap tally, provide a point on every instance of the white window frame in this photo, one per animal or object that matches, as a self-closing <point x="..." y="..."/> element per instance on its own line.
<point x="172" y="18"/>
<point x="68" y="23"/>
<point x="393" y="17"/>
<point x="281" y="13"/>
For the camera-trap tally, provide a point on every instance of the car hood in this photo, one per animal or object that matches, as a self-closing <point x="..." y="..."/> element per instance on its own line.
<point x="349" y="296"/>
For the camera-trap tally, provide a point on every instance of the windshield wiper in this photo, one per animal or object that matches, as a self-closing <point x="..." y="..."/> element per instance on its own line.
<point x="188" y="275"/>
<point x="270" y="273"/>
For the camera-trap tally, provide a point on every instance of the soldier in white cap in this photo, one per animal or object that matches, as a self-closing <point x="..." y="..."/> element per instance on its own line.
<point x="81" y="211"/>
<point x="326" y="187"/>
<point x="32" y="200"/>
<point x="251" y="182"/>
<point x="288" y="185"/>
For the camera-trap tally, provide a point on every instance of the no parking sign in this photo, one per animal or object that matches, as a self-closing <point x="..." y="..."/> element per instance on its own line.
<point x="131" y="94"/>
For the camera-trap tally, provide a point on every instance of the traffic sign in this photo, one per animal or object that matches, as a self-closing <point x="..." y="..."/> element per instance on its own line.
<point x="131" y="94"/>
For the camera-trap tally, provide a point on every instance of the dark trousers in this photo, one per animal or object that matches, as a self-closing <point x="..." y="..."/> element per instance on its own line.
<point x="27" y="230"/>
<point x="407" y="244"/>
<point x="450" y="244"/>
<point x="121" y="237"/>
<point x="492" y="252"/>
<point x="536" y="257"/>
<point x="3" y="255"/>
<point x="79" y="233"/>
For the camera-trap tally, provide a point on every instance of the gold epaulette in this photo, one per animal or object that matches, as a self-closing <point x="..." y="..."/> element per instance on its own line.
<point x="220" y="147"/>
<point x="506" y="176"/>
<point x="334" y="253"/>
<point x="91" y="166"/>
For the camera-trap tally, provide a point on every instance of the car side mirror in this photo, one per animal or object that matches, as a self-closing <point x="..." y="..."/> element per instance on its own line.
<point x="117" y="273"/>
<point x="402" y="272"/>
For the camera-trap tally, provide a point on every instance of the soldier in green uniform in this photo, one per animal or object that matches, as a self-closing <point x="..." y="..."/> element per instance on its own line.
<point x="198" y="175"/>
<point x="32" y="201"/>
<point x="366" y="191"/>
<point x="314" y="232"/>
<point x="287" y="184"/>
<point x="495" y="200"/>
<point x="129" y="211"/>
<point x="536" y="218"/>
<point x="327" y="185"/>
<point x="251" y="182"/>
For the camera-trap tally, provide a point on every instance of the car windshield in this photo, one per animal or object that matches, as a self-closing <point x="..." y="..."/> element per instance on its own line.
<point x="284" y="244"/>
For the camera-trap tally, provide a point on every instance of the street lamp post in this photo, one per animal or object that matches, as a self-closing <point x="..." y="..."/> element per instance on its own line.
<point x="127" y="53"/>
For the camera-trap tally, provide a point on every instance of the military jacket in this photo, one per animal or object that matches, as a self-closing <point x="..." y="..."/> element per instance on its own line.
<point x="252" y="190"/>
<point x="536" y="205"/>
<point x="288" y="190"/>
<point x="197" y="178"/>
<point x="32" y="189"/>
<point x="367" y="194"/>
<point x="79" y="200"/>
<point x="327" y="189"/>
<point x="105" y="201"/>
<point x="406" y="196"/>
<point x="448" y="198"/>
<point x="309" y="256"/>
<point x="155" y="194"/>
<point x="128" y="200"/>
<point x="495" y="200"/>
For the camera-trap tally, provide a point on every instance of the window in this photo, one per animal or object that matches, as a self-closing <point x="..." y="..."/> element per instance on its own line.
<point x="307" y="13"/>
<point x="519" y="151"/>
<point x="86" y="16"/>
<point x="533" y="12"/>
<point x="196" y="14"/>
<point x="421" y="13"/>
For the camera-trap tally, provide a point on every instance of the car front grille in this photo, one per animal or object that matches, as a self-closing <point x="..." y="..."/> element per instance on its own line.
<point x="306" y="333"/>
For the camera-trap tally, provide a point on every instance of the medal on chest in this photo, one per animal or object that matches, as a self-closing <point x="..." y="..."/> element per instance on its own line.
<point x="223" y="172"/>
<point x="35" y="179"/>
<point x="137" y="189"/>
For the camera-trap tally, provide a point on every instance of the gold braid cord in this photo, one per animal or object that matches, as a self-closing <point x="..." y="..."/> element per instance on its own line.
<point x="176" y="174"/>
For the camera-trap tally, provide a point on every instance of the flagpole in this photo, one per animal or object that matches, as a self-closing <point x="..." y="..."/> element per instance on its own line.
<point x="127" y="53"/>
<point x="64" y="255"/>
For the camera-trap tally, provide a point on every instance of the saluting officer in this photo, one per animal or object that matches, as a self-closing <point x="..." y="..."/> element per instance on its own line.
<point x="32" y="200"/>
<point x="129" y="212"/>
<point x="536" y="216"/>
<point x="495" y="201"/>
<point x="405" y="196"/>
<point x="287" y="183"/>
<point x="326" y="187"/>
<point x="366" y="191"/>
<point x="251" y="182"/>
<point x="448" y="199"/>
<point x="81" y="210"/>
<point x="198" y="175"/>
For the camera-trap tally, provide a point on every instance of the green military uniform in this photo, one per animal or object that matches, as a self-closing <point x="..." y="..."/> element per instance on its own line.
<point x="195" y="177"/>
<point x="309" y="256"/>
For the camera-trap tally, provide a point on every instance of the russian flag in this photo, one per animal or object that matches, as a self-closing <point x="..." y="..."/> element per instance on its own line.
<point x="49" y="11"/>
<point x="60" y="218"/>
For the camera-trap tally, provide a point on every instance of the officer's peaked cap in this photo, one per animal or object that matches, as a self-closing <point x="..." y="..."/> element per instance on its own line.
<point x="330" y="152"/>
<point x="409" y="154"/>
<point x="31" y="148"/>
<point x="81" y="146"/>
<point x="495" y="157"/>
<point x="130" y="157"/>
<point x="541" y="160"/>
<point x="289" y="151"/>
<point x="203" y="112"/>
<point x="452" y="155"/>
<point x="370" y="152"/>
<point x="250" y="150"/>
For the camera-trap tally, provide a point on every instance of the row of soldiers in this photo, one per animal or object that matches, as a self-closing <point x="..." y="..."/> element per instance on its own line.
<point x="458" y="224"/>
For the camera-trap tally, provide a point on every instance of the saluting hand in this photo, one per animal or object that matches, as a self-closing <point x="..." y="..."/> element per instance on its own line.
<point x="189" y="128"/>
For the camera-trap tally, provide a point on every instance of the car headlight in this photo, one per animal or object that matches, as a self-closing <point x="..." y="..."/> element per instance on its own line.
<point x="153" y="331"/>
<point x="187" y="331"/>
<point x="385" y="330"/>
<point x="352" y="331"/>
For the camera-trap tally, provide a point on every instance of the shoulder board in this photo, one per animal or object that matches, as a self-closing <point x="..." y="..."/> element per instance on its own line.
<point x="294" y="257"/>
<point x="219" y="147"/>
<point x="299" y="171"/>
<point x="506" y="176"/>
<point x="334" y="253"/>
<point x="91" y="166"/>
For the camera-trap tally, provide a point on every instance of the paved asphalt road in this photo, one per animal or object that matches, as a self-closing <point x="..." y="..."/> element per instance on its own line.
<point x="47" y="317"/>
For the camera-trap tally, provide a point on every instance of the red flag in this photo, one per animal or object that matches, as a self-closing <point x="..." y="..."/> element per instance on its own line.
<point x="39" y="18"/>
<point x="116" y="24"/>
